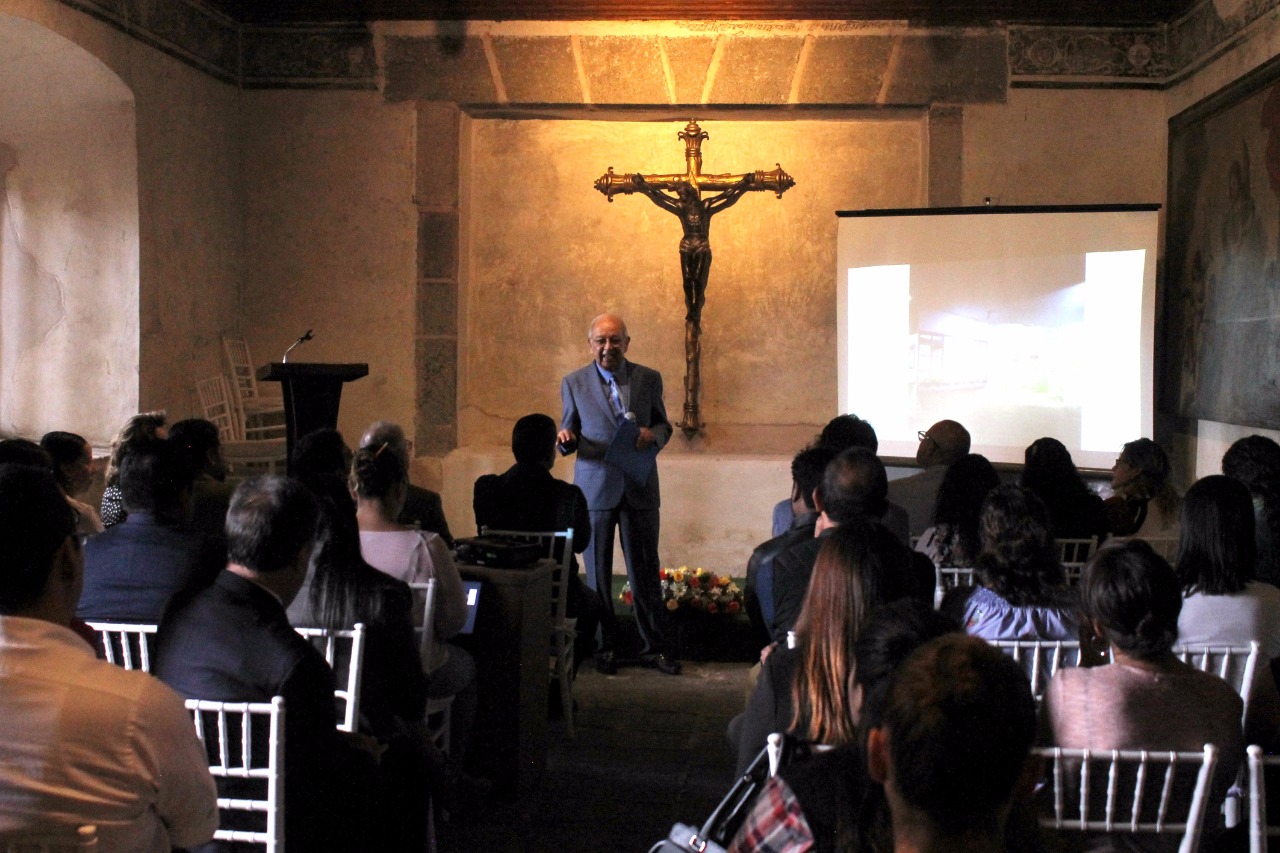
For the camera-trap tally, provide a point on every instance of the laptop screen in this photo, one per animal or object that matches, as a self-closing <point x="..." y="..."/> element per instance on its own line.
<point x="472" y="590"/>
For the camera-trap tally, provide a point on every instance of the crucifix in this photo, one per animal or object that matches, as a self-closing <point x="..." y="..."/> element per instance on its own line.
<point x="681" y="195"/>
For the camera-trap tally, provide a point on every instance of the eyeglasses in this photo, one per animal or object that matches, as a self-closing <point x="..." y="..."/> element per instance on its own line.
<point x="924" y="436"/>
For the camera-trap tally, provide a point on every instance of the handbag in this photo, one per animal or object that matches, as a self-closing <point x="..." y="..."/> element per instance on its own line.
<point x="718" y="830"/>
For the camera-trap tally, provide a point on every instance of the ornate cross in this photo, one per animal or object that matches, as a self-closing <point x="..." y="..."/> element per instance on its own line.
<point x="685" y="200"/>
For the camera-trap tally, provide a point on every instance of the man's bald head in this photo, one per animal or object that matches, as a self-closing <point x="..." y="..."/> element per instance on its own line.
<point x="943" y="443"/>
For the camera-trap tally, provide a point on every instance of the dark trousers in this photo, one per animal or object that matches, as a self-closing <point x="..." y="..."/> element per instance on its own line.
<point x="639" y="530"/>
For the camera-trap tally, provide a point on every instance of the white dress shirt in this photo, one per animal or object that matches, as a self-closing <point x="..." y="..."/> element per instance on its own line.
<point x="86" y="742"/>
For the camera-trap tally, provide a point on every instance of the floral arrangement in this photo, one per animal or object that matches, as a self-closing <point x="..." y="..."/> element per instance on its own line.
<point x="695" y="589"/>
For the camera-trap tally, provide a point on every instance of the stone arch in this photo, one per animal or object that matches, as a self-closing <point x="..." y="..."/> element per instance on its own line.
<point x="69" y="246"/>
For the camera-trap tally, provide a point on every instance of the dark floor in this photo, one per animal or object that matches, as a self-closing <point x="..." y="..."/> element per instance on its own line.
<point x="650" y="751"/>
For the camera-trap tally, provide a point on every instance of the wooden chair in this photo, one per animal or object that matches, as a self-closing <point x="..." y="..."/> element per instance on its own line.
<point x="1074" y="553"/>
<point x="353" y="661"/>
<point x="125" y="645"/>
<point x="228" y="732"/>
<point x="244" y="381"/>
<point x="1129" y="791"/>
<point x="223" y="408"/>
<point x="439" y="709"/>
<point x="85" y="838"/>
<point x="1259" y="830"/>
<point x="1041" y="659"/>
<point x="1236" y="665"/>
<point x="563" y="629"/>
<point x="949" y="577"/>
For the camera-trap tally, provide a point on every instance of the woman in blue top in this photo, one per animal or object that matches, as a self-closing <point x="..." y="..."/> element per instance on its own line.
<point x="1021" y="591"/>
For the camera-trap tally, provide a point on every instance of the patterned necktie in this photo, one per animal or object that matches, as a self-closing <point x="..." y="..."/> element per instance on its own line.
<point x="615" y="398"/>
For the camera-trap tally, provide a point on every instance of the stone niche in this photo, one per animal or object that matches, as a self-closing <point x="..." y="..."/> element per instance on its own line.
<point x="543" y="252"/>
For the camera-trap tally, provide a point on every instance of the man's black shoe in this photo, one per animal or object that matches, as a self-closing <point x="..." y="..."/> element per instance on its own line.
<point x="606" y="663"/>
<point x="668" y="665"/>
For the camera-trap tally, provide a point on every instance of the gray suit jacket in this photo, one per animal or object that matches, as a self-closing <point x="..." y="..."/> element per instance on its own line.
<point x="587" y="412"/>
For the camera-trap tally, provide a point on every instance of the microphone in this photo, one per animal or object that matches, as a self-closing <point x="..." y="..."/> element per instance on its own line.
<point x="301" y="340"/>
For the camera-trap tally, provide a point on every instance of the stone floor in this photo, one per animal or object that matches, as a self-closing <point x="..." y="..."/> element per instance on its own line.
<point x="650" y="751"/>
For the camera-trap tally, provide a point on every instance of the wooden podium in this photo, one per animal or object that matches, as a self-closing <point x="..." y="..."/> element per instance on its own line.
<point x="312" y="393"/>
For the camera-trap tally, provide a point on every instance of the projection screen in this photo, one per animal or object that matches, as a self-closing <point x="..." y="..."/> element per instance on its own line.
<point x="1017" y="322"/>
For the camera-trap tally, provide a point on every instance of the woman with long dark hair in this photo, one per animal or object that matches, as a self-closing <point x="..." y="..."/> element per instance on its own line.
<point x="1021" y="591"/>
<point x="804" y="690"/>
<point x="1255" y="461"/>
<point x="953" y="540"/>
<point x="1050" y="473"/>
<point x="1224" y="605"/>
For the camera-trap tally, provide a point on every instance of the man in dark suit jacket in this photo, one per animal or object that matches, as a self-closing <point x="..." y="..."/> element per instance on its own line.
<point x="597" y="399"/>
<point x="854" y="486"/>
<point x="232" y="642"/>
<point x="132" y="569"/>
<point x="527" y="497"/>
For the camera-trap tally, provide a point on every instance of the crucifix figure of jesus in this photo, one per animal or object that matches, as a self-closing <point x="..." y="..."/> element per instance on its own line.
<point x="681" y="195"/>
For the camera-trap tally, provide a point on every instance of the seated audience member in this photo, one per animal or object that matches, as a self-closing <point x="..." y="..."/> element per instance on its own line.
<point x="319" y="453"/>
<point x="20" y="451"/>
<point x="380" y="481"/>
<point x="953" y="539"/>
<point x="73" y="467"/>
<point x="341" y="590"/>
<point x="133" y="569"/>
<point x="422" y="507"/>
<point x="1021" y="591"/>
<point x="1255" y="461"/>
<point x="1146" y="698"/>
<point x="805" y="690"/>
<point x="854" y="486"/>
<point x="940" y="445"/>
<point x="82" y="741"/>
<point x="232" y="642"/>
<point x="1074" y="510"/>
<point x="145" y="427"/>
<point x="527" y="497"/>
<point x="1215" y="565"/>
<point x="807" y="469"/>
<point x="840" y="433"/>
<point x="1143" y="501"/>
<point x="200" y="448"/>
<point x="952" y="751"/>
<point x="826" y="801"/>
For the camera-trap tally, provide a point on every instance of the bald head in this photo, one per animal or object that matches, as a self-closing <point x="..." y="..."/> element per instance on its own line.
<point x="608" y="340"/>
<point x="944" y="443"/>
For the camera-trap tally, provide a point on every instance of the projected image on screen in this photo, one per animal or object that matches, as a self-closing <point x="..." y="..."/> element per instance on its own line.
<point x="1016" y="335"/>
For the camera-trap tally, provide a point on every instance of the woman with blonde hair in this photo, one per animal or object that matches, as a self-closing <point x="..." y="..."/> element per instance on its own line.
<point x="804" y="690"/>
<point x="139" y="429"/>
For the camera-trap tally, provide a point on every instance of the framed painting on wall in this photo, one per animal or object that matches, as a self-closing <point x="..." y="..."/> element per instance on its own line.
<point x="1222" y="256"/>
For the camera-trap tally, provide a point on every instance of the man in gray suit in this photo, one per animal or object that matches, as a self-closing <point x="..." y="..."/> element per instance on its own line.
<point x="597" y="399"/>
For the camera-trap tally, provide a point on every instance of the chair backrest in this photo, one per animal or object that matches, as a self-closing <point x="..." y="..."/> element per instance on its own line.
<point x="1074" y="553"/>
<point x="1129" y="791"/>
<point x="1165" y="546"/>
<point x="85" y="838"/>
<point x="426" y="633"/>
<point x="948" y="577"/>
<point x="548" y="539"/>
<point x="1259" y="829"/>
<point x="124" y="644"/>
<point x="1236" y="665"/>
<point x="350" y="662"/>
<point x="240" y="361"/>
<point x="228" y="731"/>
<point x="221" y="408"/>
<point x="1041" y="659"/>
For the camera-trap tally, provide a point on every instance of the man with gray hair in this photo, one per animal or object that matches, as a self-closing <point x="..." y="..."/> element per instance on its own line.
<point x="422" y="507"/>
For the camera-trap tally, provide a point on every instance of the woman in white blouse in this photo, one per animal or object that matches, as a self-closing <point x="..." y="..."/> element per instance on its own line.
<point x="379" y="483"/>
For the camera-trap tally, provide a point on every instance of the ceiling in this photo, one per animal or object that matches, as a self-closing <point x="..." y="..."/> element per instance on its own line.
<point x="946" y="12"/>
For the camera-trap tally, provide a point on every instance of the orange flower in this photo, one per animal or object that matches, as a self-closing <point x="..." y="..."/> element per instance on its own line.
<point x="672" y="604"/>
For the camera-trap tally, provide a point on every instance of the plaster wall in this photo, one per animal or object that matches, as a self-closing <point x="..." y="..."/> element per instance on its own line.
<point x="330" y="241"/>
<point x="189" y="230"/>
<point x="68" y="238"/>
